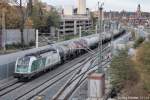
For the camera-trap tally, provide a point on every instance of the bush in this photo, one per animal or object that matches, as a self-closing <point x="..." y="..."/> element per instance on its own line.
<point x="138" y="42"/>
<point x="68" y="37"/>
<point x="32" y="43"/>
<point x="19" y="45"/>
<point x="13" y="46"/>
<point x="85" y="33"/>
<point x="143" y="59"/>
<point x="122" y="71"/>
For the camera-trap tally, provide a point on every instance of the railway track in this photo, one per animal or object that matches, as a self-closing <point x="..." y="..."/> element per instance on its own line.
<point x="8" y="83"/>
<point x="81" y="80"/>
<point x="39" y="90"/>
<point x="78" y="79"/>
<point x="15" y="91"/>
<point x="6" y="80"/>
<point x="11" y="88"/>
<point x="42" y="87"/>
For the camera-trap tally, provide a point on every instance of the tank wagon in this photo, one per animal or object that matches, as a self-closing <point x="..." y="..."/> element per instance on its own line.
<point x="34" y="63"/>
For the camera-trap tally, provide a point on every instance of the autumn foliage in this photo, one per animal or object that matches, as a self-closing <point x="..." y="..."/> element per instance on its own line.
<point x="131" y="75"/>
<point x="12" y="15"/>
<point x="143" y="64"/>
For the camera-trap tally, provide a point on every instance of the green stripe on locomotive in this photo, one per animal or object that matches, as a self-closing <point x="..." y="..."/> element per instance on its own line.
<point x="38" y="64"/>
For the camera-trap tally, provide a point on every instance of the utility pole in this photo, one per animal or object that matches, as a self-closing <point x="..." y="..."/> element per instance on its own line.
<point x="100" y="8"/>
<point x="64" y="29"/>
<point x="111" y="31"/>
<point x="58" y="35"/>
<point x="80" y="32"/>
<point x="96" y="32"/>
<point x="37" y="38"/>
<point x="3" y="30"/>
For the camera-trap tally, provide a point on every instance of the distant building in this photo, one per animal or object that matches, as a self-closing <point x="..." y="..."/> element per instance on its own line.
<point x="47" y="7"/>
<point x="133" y="18"/>
<point x="138" y="12"/>
<point x="71" y="24"/>
<point x="81" y="5"/>
<point x="137" y="18"/>
<point x="73" y="18"/>
<point x="68" y="10"/>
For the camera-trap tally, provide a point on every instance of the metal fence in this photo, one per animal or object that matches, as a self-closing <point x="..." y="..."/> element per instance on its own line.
<point x="6" y="70"/>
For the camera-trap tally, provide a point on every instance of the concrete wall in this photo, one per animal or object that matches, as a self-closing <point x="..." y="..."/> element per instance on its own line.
<point x="14" y="36"/>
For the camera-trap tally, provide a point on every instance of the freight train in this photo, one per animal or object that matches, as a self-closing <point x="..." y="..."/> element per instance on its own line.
<point x="37" y="62"/>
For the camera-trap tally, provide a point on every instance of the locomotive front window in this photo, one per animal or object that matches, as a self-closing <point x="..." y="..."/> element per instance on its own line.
<point x="23" y="64"/>
<point x="24" y="61"/>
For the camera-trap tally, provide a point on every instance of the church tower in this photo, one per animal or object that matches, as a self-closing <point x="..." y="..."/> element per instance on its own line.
<point x="138" y="11"/>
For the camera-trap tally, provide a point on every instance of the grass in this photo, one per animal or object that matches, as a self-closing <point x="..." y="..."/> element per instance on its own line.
<point x="132" y="74"/>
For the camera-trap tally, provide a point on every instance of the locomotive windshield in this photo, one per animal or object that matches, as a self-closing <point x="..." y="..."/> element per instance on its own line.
<point x="23" y="63"/>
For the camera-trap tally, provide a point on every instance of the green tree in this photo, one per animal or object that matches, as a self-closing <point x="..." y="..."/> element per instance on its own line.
<point x="143" y="63"/>
<point x="94" y="19"/>
<point x="138" y="42"/>
<point x="41" y="17"/>
<point x="38" y="16"/>
<point x="53" y="18"/>
<point x="122" y="70"/>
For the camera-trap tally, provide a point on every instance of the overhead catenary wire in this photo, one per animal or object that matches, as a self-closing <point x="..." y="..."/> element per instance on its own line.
<point x="82" y="80"/>
<point x="72" y="79"/>
<point x="68" y="83"/>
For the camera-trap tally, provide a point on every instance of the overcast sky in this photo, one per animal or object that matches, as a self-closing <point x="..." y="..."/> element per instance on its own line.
<point x="117" y="5"/>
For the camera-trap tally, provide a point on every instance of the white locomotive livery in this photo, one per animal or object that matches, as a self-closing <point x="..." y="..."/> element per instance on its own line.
<point x="34" y="63"/>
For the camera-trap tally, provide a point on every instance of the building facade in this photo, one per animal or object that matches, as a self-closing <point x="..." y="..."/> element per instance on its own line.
<point x="71" y="24"/>
<point x="74" y="18"/>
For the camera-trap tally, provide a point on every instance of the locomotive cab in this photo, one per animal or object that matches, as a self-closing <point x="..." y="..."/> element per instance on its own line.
<point x="34" y="63"/>
<point x="23" y="66"/>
